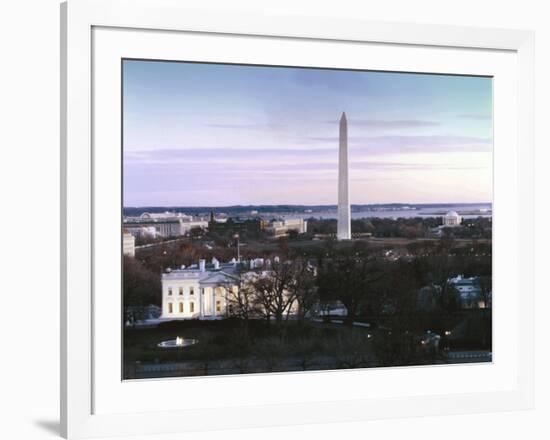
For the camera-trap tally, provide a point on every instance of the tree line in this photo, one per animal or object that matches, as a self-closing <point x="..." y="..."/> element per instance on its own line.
<point x="414" y="227"/>
<point x="365" y="280"/>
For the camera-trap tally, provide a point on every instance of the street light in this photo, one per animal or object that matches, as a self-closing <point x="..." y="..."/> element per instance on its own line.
<point x="236" y="237"/>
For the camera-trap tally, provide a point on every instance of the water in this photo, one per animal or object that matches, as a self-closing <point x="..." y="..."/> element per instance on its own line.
<point x="466" y="211"/>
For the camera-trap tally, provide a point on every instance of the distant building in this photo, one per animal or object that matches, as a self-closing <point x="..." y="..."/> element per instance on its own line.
<point x="329" y="308"/>
<point x="135" y="314"/>
<point x="128" y="244"/>
<point x="187" y="225"/>
<point x="281" y="227"/>
<point x="451" y="219"/>
<point x="140" y="230"/>
<point x="166" y="224"/>
<point x="168" y="215"/>
<point x="235" y="225"/>
<point x="470" y="292"/>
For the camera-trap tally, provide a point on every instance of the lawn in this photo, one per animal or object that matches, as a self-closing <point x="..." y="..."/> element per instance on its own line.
<point x="227" y="347"/>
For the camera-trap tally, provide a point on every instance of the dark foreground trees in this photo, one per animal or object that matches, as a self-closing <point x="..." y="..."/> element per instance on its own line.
<point x="352" y="281"/>
<point x="304" y="288"/>
<point x="141" y="287"/>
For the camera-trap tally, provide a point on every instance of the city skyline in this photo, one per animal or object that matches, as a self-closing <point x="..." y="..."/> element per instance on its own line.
<point x="221" y="135"/>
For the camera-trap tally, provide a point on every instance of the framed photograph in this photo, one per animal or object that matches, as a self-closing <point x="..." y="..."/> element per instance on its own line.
<point x="277" y="220"/>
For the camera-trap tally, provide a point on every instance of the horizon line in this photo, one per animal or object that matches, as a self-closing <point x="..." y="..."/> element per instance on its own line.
<point x="300" y="204"/>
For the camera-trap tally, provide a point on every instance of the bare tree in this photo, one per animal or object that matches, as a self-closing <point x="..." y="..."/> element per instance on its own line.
<point x="451" y="302"/>
<point x="350" y="281"/>
<point x="273" y="293"/>
<point x="240" y="301"/>
<point x="304" y="288"/>
<point x="262" y="295"/>
<point x="141" y="287"/>
<point x="485" y="286"/>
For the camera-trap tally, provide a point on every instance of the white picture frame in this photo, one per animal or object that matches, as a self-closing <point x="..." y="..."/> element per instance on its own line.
<point x="80" y="414"/>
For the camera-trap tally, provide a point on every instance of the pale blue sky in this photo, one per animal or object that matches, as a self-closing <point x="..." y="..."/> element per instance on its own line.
<point x="207" y="134"/>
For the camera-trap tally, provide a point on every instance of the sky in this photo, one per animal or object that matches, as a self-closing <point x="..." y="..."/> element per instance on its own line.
<point x="198" y="134"/>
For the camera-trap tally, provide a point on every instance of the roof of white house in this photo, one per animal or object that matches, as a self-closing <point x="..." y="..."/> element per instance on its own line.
<point x="463" y="281"/>
<point x="216" y="271"/>
<point x="211" y="270"/>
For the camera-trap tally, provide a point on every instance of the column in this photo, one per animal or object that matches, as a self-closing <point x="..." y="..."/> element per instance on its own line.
<point x="213" y="301"/>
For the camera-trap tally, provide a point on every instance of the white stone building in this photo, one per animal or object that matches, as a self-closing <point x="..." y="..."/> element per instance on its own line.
<point x="168" y="215"/>
<point x="162" y="225"/>
<point x="201" y="291"/>
<point x="187" y="225"/>
<point x="281" y="227"/>
<point x="128" y="244"/>
<point x="451" y="219"/>
<point x="198" y="291"/>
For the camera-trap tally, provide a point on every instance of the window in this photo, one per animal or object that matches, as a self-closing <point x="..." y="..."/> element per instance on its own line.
<point x="192" y="307"/>
<point x="191" y="291"/>
<point x="181" y="291"/>
<point x="170" y="291"/>
<point x="170" y="308"/>
<point x="218" y="306"/>
<point x="181" y="307"/>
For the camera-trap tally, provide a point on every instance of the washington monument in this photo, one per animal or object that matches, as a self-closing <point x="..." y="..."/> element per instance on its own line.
<point x="344" y="211"/>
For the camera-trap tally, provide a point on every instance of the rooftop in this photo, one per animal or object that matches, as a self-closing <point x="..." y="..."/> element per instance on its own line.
<point x="452" y="214"/>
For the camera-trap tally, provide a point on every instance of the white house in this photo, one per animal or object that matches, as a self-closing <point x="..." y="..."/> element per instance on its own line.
<point x="201" y="291"/>
<point x="198" y="291"/>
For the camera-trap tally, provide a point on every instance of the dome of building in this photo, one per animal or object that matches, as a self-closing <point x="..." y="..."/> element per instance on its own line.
<point x="452" y="218"/>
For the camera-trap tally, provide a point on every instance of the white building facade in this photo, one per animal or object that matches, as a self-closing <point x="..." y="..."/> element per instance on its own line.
<point x="198" y="292"/>
<point x="282" y="227"/>
<point x="128" y="244"/>
<point x="153" y="225"/>
<point x="205" y="290"/>
<point x="451" y="219"/>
